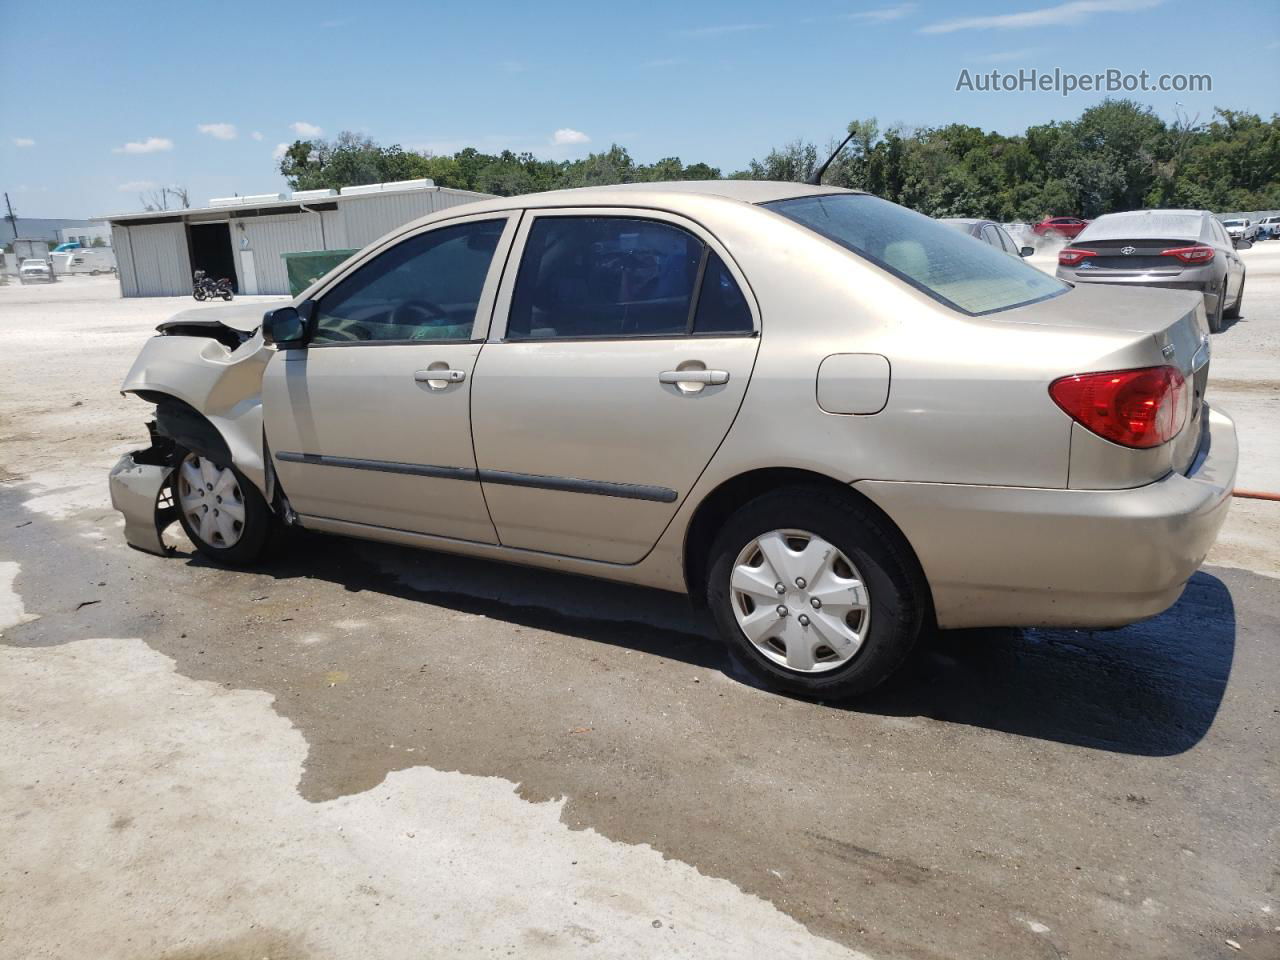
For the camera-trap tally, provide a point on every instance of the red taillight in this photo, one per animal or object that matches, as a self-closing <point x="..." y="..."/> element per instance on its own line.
<point x="1196" y="254"/>
<point x="1134" y="408"/>
<point x="1069" y="256"/>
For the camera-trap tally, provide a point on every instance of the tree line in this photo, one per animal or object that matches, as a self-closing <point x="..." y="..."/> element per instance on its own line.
<point x="1118" y="155"/>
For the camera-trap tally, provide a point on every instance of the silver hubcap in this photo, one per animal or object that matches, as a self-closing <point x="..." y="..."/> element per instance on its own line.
<point x="211" y="500"/>
<point x="800" y="601"/>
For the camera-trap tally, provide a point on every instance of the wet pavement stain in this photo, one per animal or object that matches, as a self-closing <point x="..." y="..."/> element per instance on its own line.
<point x="984" y="778"/>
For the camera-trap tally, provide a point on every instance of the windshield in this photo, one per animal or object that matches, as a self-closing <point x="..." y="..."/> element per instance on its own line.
<point x="974" y="278"/>
<point x="1233" y="223"/>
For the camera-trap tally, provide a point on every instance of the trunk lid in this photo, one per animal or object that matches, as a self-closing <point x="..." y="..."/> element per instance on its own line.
<point x="1140" y="327"/>
<point x="1123" y="257"/>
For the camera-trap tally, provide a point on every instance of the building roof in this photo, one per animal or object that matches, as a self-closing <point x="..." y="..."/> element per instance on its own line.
<point x="290" y="203"/>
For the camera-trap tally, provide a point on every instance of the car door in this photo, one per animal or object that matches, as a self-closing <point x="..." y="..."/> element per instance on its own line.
<point x="622" y="350"/>
<point x="369" y="422"/>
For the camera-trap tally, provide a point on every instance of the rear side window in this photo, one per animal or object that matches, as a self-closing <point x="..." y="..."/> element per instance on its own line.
<point x="721" y="306"/>
<point x="423" y="288"/>
<point x="603" y="277"/>
<point x="611" y="277"/>
<point x="973" y="278"/>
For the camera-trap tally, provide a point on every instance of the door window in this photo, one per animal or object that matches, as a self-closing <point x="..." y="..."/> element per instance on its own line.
<point x="990" y="235"/>
<point x="610" y="277"/>
<point x="721" y="306"/>
<point x="591" y="277"/>
<point x="424" y="288"/>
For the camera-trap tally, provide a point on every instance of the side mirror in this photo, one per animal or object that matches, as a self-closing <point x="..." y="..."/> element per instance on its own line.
<point x="285" y="327"/>
<point x="1242" y="244"/>
<point x="1026" y="251"/>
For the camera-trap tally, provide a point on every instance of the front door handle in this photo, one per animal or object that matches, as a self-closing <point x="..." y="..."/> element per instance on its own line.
<point x="439" y="379"/>
<point x="713" y="377"/>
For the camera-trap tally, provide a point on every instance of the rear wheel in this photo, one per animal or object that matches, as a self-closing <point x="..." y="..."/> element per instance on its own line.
<point x="1234" y="312"/>
<point x="222" y="513"/>
<point x="813" y="595"/>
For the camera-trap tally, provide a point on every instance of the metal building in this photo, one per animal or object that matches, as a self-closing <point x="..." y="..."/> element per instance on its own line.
<point x="244" y="237"/>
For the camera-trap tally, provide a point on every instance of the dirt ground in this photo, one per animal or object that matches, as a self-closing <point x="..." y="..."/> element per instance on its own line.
<point x="365" y="751"/>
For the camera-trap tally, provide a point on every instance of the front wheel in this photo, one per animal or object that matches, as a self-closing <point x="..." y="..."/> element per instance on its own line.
<point x="1215" y="319"/>
<point x="221" y="512"/>
<point x="198" y="293"/>
<point x="814" y="595"/>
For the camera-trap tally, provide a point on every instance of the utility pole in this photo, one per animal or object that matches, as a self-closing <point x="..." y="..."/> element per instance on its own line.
<point x="13" y="220"/>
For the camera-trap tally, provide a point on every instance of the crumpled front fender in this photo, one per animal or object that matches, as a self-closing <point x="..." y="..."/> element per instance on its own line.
<point x="223" y="385"/>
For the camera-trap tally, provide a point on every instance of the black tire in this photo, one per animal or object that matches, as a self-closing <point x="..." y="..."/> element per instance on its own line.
<point x="198" y="294"/>
<point x="1215" y="318"/>
<point x="898" y="595"/>
<point x="257" y="530"/>
<point x="1234" y="312"/>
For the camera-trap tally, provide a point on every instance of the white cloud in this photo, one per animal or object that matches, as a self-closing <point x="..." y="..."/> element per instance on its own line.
<point x="256" y="135"/>
<point x="138" y="186"/>
<point x="280" y="150"/>
<point x="23" y="142"/>
<point x="219" y="131"/>
<point x="566" y="135"/>
<point x="722" y="30"/>
<point x="305" y="129"/>
<point x="1008" y="56"/>
<point x="149" y="145"/>
<point x="883" y="15"/>
<point x="1076" y="11"/>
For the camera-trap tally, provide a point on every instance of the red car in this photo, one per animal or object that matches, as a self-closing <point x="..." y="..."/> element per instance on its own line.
<point x="1066" y="226"/>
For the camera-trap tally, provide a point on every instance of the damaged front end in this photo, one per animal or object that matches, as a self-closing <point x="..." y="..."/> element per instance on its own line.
<point x="203" y="372"/>
<point x="140" y="490"/>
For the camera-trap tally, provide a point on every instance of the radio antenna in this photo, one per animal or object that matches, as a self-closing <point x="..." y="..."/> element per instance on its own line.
<point x="815" y="178"/>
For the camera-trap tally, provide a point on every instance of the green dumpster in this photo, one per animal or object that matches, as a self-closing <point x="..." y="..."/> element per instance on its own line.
<point x="308" y="266"/>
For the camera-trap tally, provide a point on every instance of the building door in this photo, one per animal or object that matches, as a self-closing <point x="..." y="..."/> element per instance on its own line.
<point x="211" y="251"/>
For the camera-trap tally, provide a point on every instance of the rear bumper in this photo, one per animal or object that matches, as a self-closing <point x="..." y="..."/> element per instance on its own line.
<point x="1021" y="557"/>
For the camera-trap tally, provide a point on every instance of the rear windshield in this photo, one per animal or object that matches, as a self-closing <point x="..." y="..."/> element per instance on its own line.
<point x="1153" y="224"/>
<point x="974" y="278"/>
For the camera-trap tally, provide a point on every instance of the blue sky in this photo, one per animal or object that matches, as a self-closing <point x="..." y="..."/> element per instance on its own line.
<point x="101" y="100"/>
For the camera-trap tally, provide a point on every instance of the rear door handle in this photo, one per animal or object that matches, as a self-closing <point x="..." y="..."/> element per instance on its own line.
<point x="439" y="378"/>
<point x="713" y="377"/>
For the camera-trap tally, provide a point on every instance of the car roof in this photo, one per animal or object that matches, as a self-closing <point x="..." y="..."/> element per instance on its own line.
<point x="971" y="221"/>
<point x="669" y="194"/>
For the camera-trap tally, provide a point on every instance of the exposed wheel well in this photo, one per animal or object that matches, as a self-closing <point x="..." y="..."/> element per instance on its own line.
<point x="725" y="499"/>
<point x="187" y="426"/>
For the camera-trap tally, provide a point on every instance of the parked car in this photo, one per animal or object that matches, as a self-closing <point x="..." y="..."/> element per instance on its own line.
<point x="35" y="271"/>
<point x="1241" y="229"/>
<point x="1060" y="227"/>
<point x="1269" y="228"/>
<point x="832" y="420"/>
<point x="1172" y="249"/>
<point x="990" y="233"/>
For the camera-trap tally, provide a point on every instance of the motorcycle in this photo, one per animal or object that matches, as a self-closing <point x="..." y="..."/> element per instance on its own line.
<point x="204" y="287"/>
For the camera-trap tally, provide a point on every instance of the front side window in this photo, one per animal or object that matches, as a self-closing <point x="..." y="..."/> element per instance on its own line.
<point x="589" y="277"/>
<point x="424" y="288"/>
<point x="973" y="278"/>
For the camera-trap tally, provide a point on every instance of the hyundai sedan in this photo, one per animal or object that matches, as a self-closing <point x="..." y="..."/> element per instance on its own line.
<point x="835" y="422"/>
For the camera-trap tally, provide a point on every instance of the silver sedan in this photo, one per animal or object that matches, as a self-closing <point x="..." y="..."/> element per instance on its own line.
<point x="835" y="422"/>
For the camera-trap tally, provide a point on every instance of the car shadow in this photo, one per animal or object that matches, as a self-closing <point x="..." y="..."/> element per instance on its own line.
<point x="1151" y="689"/>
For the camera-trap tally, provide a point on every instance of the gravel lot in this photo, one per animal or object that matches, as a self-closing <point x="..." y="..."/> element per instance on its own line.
<point x="363" y="751"/>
